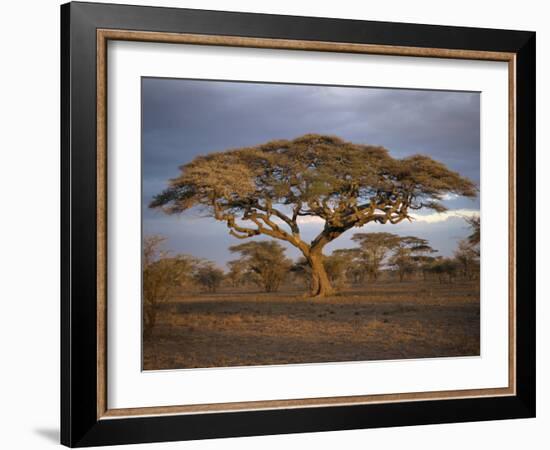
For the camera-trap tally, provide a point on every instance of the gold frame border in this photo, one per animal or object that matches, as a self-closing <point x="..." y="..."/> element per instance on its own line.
<point x="103" y="36"/>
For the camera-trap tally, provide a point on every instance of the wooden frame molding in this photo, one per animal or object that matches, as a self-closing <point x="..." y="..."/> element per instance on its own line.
<point x="103" y="36"/>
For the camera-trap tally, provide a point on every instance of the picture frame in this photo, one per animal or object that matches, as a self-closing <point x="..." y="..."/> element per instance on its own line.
<point x="86" y="28"/>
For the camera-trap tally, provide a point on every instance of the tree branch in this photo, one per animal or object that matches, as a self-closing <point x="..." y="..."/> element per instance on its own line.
<point x="293" y="225"/>
<point x="262" y="221"/>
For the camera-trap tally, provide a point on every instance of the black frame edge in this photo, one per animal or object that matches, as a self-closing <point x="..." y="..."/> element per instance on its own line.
<point x="79" y="232"/>
<point x="65" y="435"/>
<point x="525" y="223"/>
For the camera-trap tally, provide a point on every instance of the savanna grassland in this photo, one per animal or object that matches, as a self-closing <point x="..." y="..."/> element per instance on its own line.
<point x="379" y="321"/>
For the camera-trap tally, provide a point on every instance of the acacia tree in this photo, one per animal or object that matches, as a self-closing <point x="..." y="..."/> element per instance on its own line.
<point x="475" y="236"/>
<point x="162" y="276"/>
<point x="426" y="264"/>
<point x="266" y="189"/>
<point x="266" y="260"/>
<point x="444" y="266"/>
<point x="467" y="256"/>
<point x="356" y="270"/>
<point x="374" y="247"/>
<point x="408" y="254"/>
<point x="208" y="276"/>
<point x="301" y="270"/>
<point x="237" y="273"/>
<point x="336" y="266"/>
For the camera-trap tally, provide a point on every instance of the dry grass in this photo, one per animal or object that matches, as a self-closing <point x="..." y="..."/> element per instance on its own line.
<point x="376" y="322"/>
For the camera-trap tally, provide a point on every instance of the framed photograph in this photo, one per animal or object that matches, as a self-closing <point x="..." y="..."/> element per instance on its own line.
<point x="276" y="224"/>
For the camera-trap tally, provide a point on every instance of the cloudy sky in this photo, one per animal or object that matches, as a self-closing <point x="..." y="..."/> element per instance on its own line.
<point x="185" y="118"/>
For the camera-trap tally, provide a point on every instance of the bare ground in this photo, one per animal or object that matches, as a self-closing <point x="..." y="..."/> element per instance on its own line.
<point x="375" y="322"/>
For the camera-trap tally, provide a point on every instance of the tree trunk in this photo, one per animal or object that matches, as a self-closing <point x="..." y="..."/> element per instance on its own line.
<point x="320" y="283"/>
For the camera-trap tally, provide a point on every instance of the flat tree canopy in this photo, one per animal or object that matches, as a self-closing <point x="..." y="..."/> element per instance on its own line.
<point x="265" y="189"/>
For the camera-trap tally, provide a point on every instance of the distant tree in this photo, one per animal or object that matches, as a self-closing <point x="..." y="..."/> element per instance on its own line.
<point x="336" y="266"/>
<point x="162" y="276"/>
<point x="426" y="264"/>
<point x="374" y="247"/>
<point x="265" y="189"/>
<point x="467" y="257"/>
<point x="356" y="270"/>
<point x="209" y="276"/>
<point x="301" y="270"/>
<point x="445" y="266"/>
<point x="265" y="259"/>
<point x="402" y="262"/>
<point x="237" y="274"/>
<point x="152" y="249"/>
<point x="408" y="254"/>
<point x="475" y="236"/>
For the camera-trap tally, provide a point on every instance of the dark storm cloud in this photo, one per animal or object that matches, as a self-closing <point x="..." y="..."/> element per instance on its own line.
<point x="185" y="118"/>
